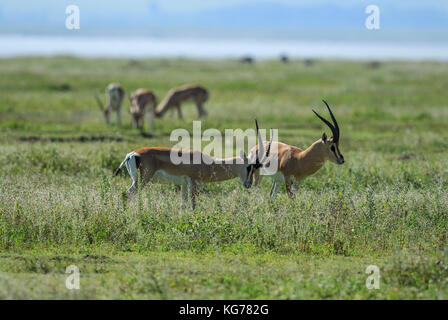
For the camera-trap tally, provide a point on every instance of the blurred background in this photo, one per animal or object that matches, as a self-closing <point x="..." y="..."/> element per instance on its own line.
<point x="409" y="29"/>
<point x="273" y="60"/>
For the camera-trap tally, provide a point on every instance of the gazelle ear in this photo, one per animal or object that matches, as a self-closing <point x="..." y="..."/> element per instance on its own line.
<point x="324" y="137"/>
<point x="243" y="155"/>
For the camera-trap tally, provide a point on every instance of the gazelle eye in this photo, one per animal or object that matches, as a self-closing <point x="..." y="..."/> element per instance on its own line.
<point x="332" y="148"/>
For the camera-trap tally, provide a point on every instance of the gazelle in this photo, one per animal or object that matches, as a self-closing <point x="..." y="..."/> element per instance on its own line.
<point x="142" y="101"/>
<point x="176" y="97"/>
<point x="155" y="165"/>
<point x="295" y="164"/>
<point x="114" y="98"/>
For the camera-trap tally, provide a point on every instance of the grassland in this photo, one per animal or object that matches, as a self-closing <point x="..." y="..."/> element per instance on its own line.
<point x="386" y="206"/>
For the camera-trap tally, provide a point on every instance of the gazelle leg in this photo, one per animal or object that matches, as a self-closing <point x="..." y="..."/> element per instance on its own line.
<point x="118" y="117"/>
<point x="198" y="106"/>
<point x="151" y="119"/>
<point x="142" y="122"/>
<point x="179" y="111"/>
<point x="145" y="176"/>
<point x="289" y="190"/>
<point x="184" y="190"/>
<point x="274" y="189"/>
<point x="193" y="191"/>
<point x="201" y="110"/>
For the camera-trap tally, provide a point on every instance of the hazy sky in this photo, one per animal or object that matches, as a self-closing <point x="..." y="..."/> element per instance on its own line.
<point x="133" y="16"/>
<point x="255" y="22"/>
<point x="11" y="6"/>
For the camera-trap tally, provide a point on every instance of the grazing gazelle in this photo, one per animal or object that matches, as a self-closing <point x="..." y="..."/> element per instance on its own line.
<point x="143" y="101"/>
<point x="114" y="98"/>
<point x="297" y="164"/>
<point x="176" y="97"/>
<point x="155" y="165"/>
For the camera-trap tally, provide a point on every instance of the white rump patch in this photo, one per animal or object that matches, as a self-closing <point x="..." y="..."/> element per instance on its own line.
<point x="131" y="165"/>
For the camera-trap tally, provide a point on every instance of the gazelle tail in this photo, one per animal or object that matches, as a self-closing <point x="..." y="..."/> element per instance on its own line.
<point x="130" y="157"/>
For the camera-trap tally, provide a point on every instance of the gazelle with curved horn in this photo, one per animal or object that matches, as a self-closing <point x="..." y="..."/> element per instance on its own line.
<point x="156" y="165"/>
<point x="114" y="98"/>
<point x="295" y="164"/>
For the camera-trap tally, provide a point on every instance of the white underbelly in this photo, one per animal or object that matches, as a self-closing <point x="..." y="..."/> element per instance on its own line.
<point x="162" y="176"/>
<point x="278" y="176"/>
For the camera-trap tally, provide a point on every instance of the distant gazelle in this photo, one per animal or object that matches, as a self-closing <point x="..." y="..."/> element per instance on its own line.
<point x="143" y="101"/>
<point x="176" y="97"/>
<point x="295" y="164"/>
<point x="155" y="165"/>
<point x="114" y="98"/>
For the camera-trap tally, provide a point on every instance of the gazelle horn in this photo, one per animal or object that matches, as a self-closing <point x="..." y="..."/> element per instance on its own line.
<point x="261" y="154"/>
<point x="334" y="128"/>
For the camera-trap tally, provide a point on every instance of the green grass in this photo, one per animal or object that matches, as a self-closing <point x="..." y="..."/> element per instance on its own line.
<point x="386" y="206"/>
